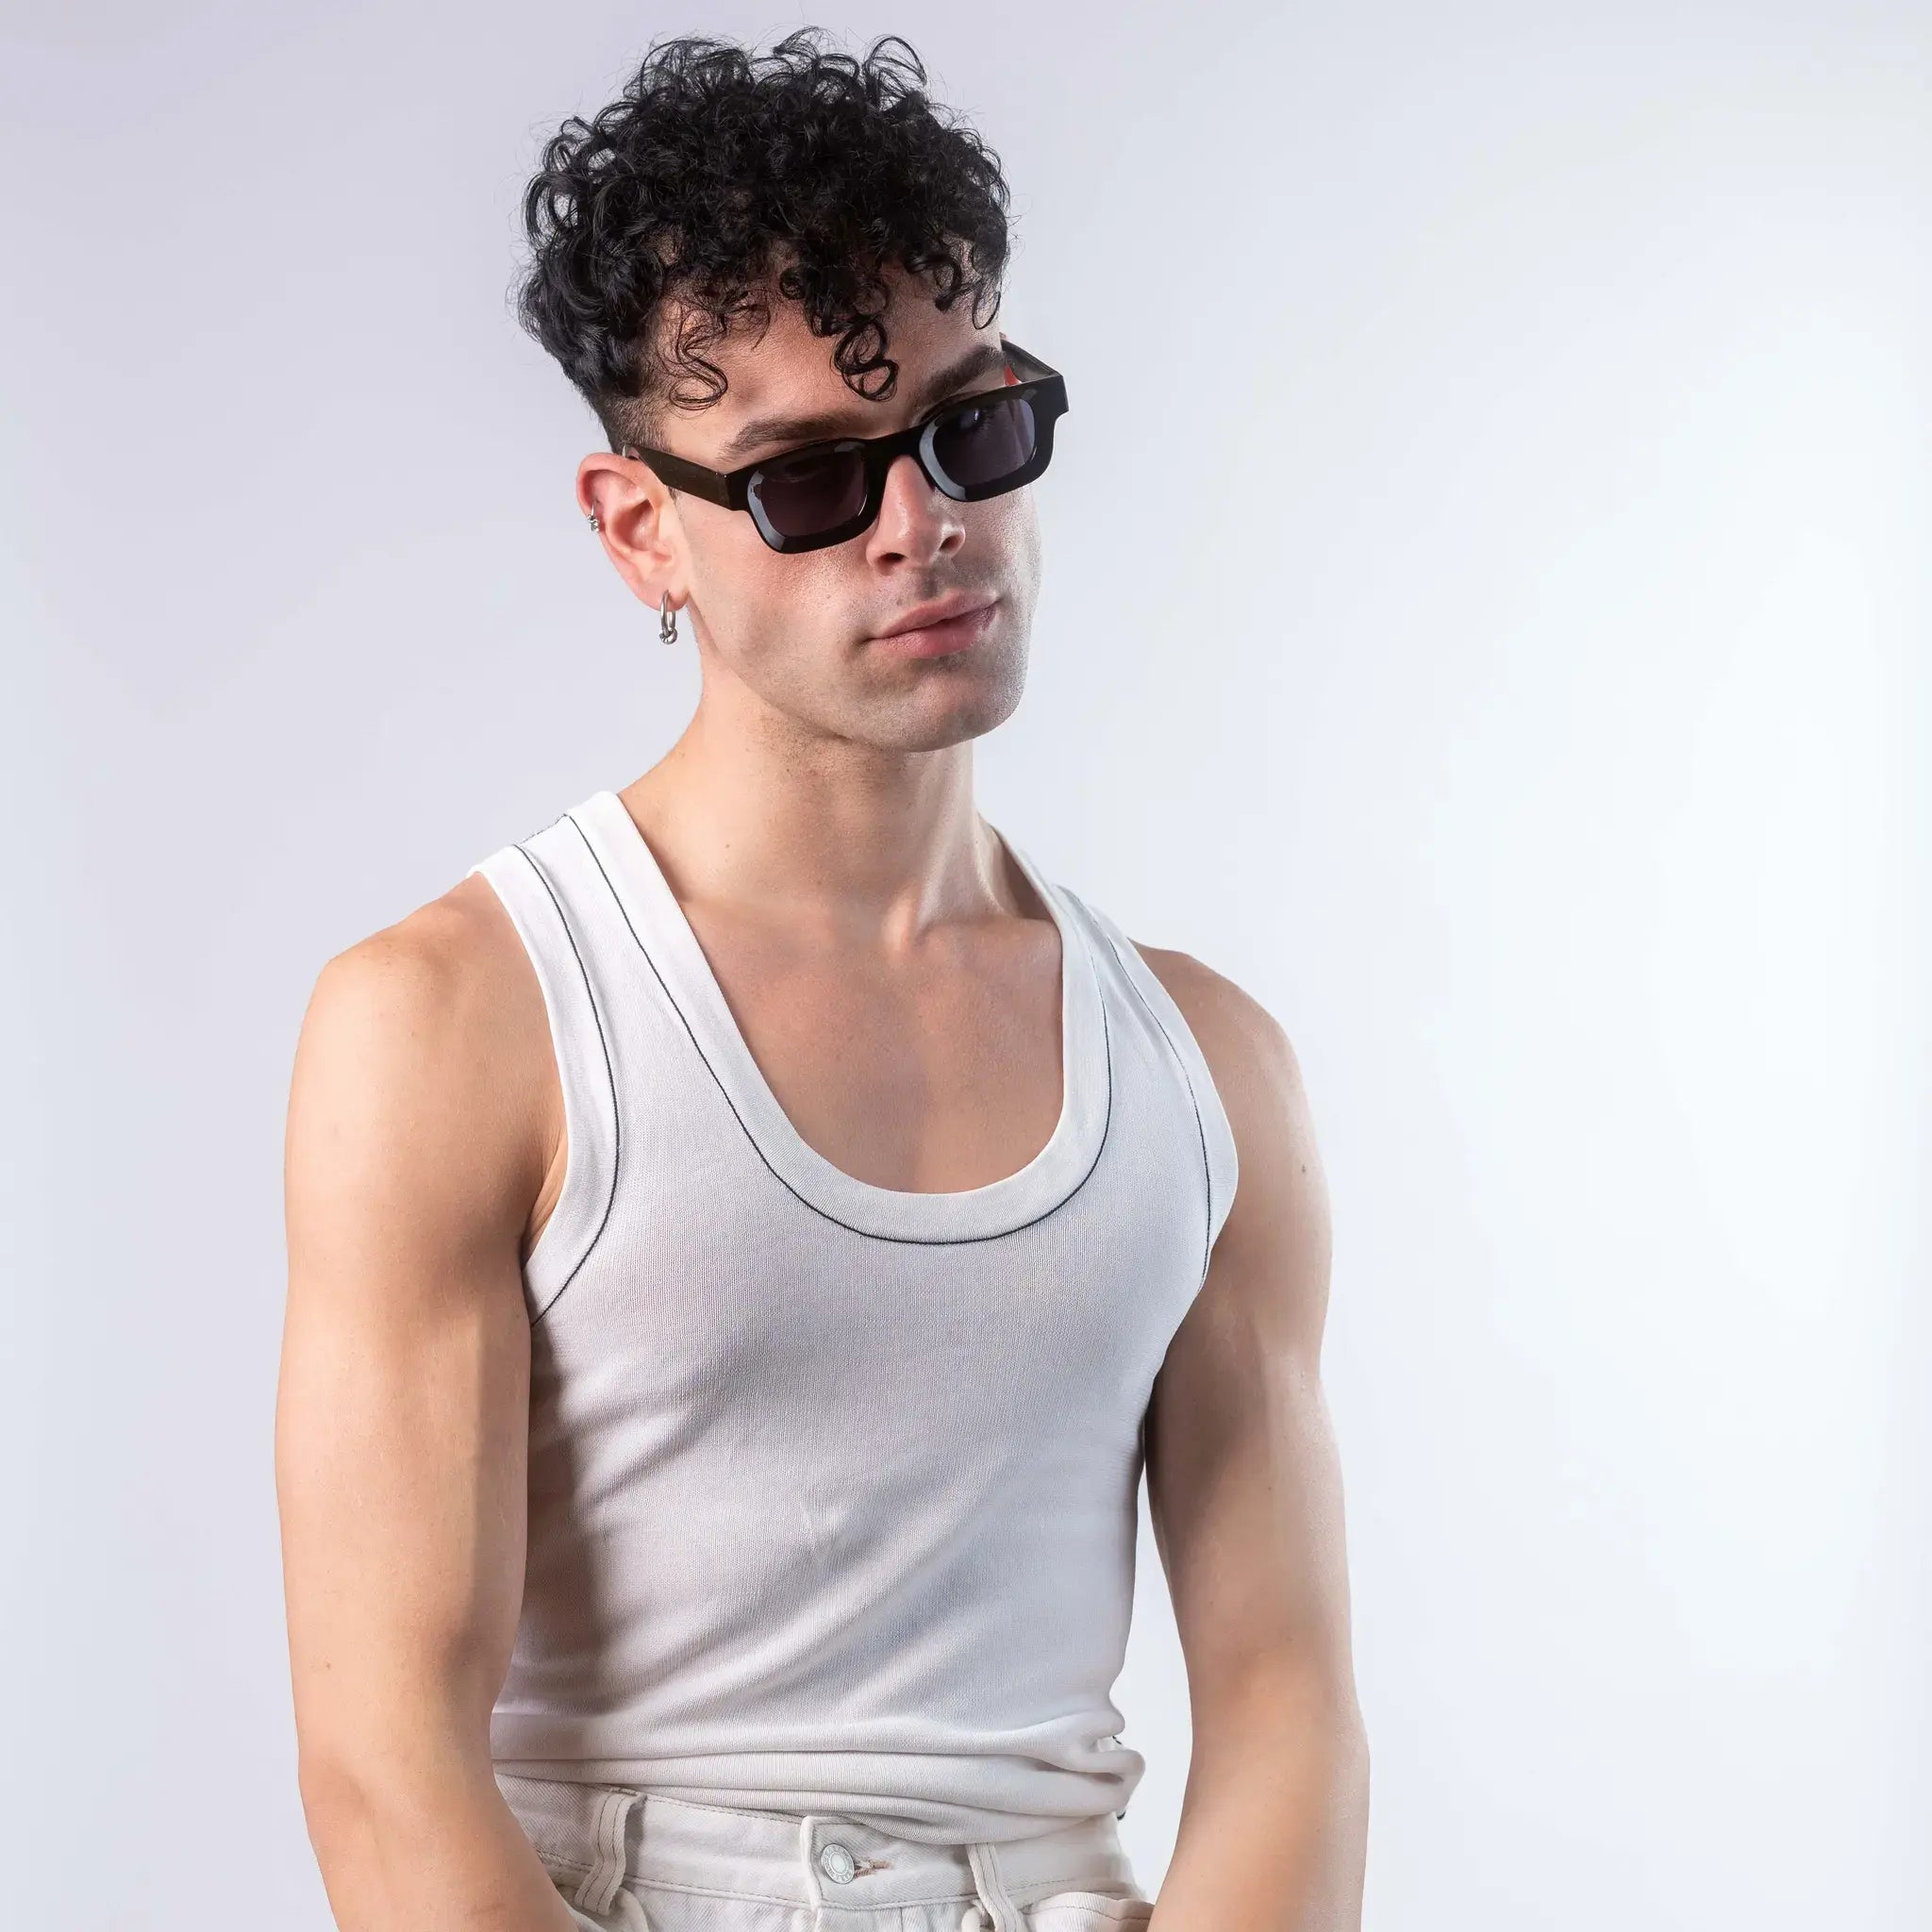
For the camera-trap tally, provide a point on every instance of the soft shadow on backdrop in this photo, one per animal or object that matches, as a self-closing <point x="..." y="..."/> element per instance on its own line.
<point x="1509" y="677"/>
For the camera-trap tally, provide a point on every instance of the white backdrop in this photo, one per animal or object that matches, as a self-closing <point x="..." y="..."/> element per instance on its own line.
<point x="1513" y="672"/>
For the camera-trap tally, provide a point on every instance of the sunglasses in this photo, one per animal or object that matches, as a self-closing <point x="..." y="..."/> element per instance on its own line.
<point x="827" y="493"/>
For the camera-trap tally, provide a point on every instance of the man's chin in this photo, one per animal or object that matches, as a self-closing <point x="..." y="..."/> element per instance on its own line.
<point x="932" y="719"/>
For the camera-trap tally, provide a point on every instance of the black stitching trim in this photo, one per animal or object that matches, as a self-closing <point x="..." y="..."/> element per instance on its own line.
<point x="610" y="1077"/>
<point x="1193" y="1098"/>
<point x="939" y="1241"/>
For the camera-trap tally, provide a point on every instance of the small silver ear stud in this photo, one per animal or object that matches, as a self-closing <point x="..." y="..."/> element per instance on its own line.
<point x="667" y="621"/>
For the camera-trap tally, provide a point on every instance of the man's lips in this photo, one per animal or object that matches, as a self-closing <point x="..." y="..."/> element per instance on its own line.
<point x="941" y="635"/>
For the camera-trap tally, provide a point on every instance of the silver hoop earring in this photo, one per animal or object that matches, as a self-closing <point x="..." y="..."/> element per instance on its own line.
<point x="594" y="524"/>
<point x="667" y="621"/>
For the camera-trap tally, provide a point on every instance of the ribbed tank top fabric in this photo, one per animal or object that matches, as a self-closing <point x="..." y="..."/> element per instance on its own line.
<point x="833" y="1487"/>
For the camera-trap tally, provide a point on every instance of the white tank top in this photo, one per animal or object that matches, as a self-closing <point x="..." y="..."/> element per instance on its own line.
<point x="833" y="1487"/>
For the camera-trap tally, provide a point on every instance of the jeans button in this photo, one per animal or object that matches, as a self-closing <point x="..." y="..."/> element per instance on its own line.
<point x="837" y="1862"/>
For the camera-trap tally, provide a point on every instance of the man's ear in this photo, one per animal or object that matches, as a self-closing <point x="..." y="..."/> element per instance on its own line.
<point x="637" y="523"/>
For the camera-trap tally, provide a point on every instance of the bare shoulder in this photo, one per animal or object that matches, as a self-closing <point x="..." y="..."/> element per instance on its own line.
<point x="425" y="1055"/>
<point x="457" y="950"/>
<point x="449" y="981"/>
<point x="1238" y="1036"/>
<point x="1275" y="1241"/>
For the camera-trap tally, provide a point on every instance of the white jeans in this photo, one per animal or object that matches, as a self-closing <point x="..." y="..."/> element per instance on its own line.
<point x="632" y="1861"/>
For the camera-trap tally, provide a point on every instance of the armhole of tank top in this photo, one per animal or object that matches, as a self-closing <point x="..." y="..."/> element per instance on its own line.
<point x="1219" y="1162"/>
<point x="582" y="1050"/>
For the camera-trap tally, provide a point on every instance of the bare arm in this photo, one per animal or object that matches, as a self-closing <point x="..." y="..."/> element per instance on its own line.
<point x="1244" y="1492"/>
<point x="421" y="1137"/>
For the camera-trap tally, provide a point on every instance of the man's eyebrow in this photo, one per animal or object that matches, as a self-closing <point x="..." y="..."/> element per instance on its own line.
<point x="981" y="359"/>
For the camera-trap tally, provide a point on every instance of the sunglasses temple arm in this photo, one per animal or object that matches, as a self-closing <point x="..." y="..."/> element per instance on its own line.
<point x="694" y="480"/>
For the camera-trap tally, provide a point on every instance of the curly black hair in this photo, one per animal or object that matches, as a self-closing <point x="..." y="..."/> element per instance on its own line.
<point x="716" y="167"/>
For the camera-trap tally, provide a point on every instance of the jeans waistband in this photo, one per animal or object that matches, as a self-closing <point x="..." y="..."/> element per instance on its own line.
<point x="595" y="1836"/>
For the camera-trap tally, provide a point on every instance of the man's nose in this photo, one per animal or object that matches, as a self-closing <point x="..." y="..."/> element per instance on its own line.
<point x="914" y="512"/>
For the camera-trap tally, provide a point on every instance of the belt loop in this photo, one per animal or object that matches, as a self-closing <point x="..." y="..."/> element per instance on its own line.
<point x="599" y="1889"/>
<point x="811" y="1869"/>
<point x="1004" y="1916"/>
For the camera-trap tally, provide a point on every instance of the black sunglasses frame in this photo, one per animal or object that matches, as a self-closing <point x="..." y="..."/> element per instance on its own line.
<point x="1043" y="386"/>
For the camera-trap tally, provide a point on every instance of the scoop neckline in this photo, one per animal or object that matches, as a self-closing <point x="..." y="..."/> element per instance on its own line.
<point x="672" y="950"/>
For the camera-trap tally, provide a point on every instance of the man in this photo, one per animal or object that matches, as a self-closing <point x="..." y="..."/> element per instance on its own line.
<point x="747" y="1237"/>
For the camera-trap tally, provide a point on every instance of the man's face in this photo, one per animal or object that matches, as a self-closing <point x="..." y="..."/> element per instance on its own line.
<point x="802" y="633"/>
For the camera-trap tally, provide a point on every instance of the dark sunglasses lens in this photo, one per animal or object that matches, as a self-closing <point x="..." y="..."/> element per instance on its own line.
<point x="804" y="495"/>
<point x="986" y="441"/>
